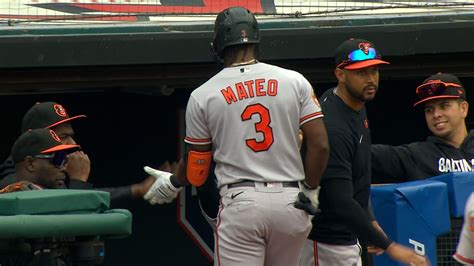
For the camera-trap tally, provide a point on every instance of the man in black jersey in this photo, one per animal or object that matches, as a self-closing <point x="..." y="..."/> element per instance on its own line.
<point x="345" y="185"/>
<point x="442" y="97"/>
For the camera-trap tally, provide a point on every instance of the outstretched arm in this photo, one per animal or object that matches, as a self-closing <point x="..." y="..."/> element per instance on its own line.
<point x="393" y="164"/>
<point x="192" y="169"/>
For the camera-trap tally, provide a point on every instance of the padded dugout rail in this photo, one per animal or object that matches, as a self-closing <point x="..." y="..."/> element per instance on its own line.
<point x="61" y="212"/>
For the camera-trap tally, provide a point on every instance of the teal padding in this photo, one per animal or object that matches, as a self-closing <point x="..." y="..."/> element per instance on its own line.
<point x="110" y="223"/>
<point x="54" y="201"/>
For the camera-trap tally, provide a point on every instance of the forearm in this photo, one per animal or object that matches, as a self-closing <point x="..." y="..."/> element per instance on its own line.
<point x="315" y="163"/>
<point x="390" y="164"/>
<point x="79" y="184"/>
<point x="317" y="151"/>
<point x="118" y="195"/>
<point x="349" y="211"/>
<point x="178" y="179"/>
<point x="370" y="212"/>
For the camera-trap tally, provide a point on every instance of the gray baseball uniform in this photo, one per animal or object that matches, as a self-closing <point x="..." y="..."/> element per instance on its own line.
<point x="465" y="250"/>
<point x="251" y="115"/>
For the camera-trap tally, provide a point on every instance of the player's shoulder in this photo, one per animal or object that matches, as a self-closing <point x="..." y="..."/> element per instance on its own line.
<point x="337" y="115"/>
<point x="421" y="145"/>
<point x="283" y="71"/>
<point x="206" y="87"/>
<point x="330" y="102"/>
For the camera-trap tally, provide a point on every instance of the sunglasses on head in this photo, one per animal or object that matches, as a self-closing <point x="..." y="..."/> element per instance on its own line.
<point x="434" y="88"/>
<point x="58" y="159"/>
<point x="359" y="55"/>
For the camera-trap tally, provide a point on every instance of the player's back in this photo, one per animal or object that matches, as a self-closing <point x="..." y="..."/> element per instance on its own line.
<point x="253" y="116"/>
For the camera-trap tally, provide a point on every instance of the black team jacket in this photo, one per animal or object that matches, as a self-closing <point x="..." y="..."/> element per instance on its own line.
<point x="420" y="160"/>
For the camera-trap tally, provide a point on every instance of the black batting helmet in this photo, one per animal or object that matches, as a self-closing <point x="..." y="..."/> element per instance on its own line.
<point x="233" y="26"/>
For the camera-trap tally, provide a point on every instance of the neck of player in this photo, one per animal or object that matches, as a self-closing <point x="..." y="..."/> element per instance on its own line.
<point x="240" y="55"/>
<point x="353" y="103"/>
<point x="457" y="137"/>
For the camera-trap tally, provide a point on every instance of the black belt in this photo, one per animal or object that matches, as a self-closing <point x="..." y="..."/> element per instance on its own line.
<point x="249" y="183"/>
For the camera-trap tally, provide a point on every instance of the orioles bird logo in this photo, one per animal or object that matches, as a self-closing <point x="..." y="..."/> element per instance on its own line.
<point x="364" y="46"/>
<point x="59" y="109"/>
<point x="55" y="136"/>
<point x="200" y="161"/>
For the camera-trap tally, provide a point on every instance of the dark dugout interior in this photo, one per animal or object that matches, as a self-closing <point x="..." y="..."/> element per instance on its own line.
<point x="125" y="131"/>
<point x="120" y="79"/>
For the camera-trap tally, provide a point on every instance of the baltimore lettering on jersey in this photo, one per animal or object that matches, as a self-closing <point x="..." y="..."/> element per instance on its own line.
<point x="449" y="165"/>
<point x="250" y="89"/>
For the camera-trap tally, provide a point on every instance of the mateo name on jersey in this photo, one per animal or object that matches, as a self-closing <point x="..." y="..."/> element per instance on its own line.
<point x="448" y="165"/>
<point x="250" y="89"/>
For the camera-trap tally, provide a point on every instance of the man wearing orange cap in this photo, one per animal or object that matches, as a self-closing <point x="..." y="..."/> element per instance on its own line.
<point x="39" y="158"/>
<point x="345" y="185"/>
<point x="442" y="97"/>
<point x="54" y="116"/>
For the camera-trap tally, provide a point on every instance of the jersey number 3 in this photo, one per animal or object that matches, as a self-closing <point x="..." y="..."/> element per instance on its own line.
<point x="262" y="127"/>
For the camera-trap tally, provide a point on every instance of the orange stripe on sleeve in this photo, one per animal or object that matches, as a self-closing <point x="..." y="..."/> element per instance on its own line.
<point x="310" y="116"/>
<point x="463" y="259"/>
<point x="197" y="141"/>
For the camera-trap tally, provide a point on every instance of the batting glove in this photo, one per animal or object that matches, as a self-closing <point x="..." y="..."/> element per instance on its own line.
<point x="308" y="200"/>
<point x="162" y="191"/>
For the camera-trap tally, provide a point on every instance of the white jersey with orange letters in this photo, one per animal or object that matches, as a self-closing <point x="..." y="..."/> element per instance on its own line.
<point x="247" y="111"/>
<point x="465" y="250"/>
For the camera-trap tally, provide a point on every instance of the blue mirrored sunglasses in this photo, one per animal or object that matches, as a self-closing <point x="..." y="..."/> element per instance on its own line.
<point x="359" y="55"/>
<point x="58" y="159"/>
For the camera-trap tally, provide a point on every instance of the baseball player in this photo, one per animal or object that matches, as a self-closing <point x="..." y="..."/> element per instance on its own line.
<point x="247" y="118"/>
<point x="465" y="250"/>
<point x="39" y="158"/>
<point x="54" y="116"/>
<point x="442" y="97"/>
<point x="345" y="185"/>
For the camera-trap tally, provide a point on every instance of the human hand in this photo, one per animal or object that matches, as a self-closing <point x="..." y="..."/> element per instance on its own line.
<point x="305" y="204"/>
<point x="162" y="190"/>
<point x="78" y="166"/>
<point x="374" y="249"/>
<point x="406" y="255"/>
<point x="309" y="200"/>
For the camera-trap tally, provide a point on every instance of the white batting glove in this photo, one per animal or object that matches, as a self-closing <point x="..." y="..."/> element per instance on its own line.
<point x="162" y="191"/>
<point x="308" y="199"/>
<point x="312" y="194"/>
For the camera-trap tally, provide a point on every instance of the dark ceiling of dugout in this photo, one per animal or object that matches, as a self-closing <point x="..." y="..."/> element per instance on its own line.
<point x="151" y="58"/>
